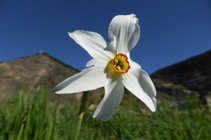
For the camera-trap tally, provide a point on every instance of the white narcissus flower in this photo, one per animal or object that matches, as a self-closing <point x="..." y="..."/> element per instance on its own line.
<point x="111" y="67"/>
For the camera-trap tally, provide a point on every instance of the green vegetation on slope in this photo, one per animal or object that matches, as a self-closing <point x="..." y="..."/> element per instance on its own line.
<point x="29" y="117"/>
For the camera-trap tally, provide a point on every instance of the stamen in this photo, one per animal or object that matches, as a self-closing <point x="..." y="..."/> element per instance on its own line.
<point x="121" y="63"/>
<point x="116" y="61"/>
<point x="118" y="68"/>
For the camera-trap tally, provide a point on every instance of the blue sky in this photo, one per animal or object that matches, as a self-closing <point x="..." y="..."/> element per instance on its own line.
<point x="171" y="30"/>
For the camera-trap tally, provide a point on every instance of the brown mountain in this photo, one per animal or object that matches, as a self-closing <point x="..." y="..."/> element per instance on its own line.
<point x="184" y="78"/>
<point x="191" y="75"/>
<point x="37" y="71"/>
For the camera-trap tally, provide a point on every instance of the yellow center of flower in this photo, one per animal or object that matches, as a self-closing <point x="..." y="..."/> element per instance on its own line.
<point x="120" y="63"/>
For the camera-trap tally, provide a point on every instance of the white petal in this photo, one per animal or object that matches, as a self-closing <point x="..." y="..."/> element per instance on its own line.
<point x="93" y="43"/>
<point x="96" y="62"/>
<point x="124" y="33"/>
<point x="146" y="82"/>
<point x="140" y="84"/>
<point x="133" y="64"/>
<point x="88" y="79"/>
<point x="114" y="92"/>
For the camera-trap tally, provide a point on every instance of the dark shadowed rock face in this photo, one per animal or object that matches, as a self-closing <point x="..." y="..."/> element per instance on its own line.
<point x="37" y="71"/>
<point x="193" y="73"/>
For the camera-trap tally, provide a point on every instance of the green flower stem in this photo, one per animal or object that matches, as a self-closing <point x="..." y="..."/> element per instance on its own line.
<point x="81" y="112"/>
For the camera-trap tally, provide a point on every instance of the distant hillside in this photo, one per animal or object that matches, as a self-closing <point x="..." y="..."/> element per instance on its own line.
<point x="174" y="82"/>
<point x="37" y="71"/>
<point x="194" y="74"/>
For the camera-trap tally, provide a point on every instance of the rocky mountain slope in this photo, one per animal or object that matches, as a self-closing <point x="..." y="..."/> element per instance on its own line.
<point x="37" y="71"/>
<point x="174" y="82"/>
<point x="190" y="76"/>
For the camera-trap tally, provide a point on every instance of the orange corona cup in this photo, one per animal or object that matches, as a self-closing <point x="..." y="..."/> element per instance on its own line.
<point x="120" y="63"/>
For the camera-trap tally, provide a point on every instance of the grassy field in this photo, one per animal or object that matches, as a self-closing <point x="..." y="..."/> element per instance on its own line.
<point x="27" y="117"/>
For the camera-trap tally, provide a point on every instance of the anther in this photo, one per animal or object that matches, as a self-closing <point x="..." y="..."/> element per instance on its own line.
<point x="116" y="61"/>
<point x="121" y="63"/>
<point x="118" y="68"/>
